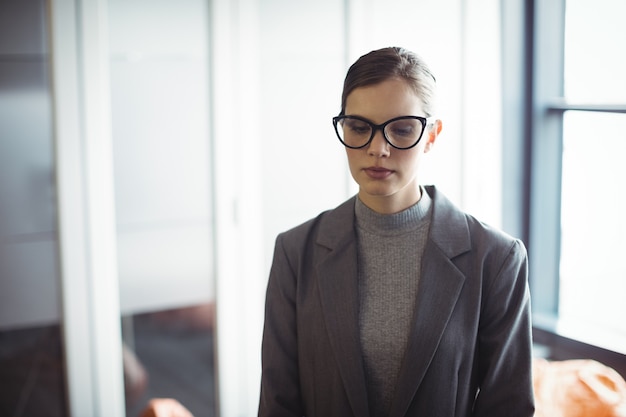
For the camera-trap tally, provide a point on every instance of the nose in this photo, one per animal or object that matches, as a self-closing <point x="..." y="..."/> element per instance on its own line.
<point x="378" y="146"/>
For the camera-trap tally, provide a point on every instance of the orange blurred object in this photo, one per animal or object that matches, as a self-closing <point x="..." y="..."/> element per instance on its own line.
<point x="165" y="407"/>
<point x="578" y="388"/>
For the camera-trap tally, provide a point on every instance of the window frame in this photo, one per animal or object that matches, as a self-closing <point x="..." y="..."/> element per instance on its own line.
<point x="546" y="149"/>
<point x="539" y="32"/>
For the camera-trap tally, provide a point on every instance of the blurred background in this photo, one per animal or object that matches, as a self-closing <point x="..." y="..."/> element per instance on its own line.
<point x="150" y="151"/>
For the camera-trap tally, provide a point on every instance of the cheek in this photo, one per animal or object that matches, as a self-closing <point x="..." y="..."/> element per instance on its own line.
<point x="353" y="156"/>
<point x="409" y="160"/>
<point x="354" y="162"/>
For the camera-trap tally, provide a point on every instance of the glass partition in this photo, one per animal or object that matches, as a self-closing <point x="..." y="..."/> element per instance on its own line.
<point x="32" y="371"/>
<point x="162" y="163"/>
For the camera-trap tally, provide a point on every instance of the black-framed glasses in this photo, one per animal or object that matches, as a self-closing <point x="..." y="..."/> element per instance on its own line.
<point x="402" y="132"/>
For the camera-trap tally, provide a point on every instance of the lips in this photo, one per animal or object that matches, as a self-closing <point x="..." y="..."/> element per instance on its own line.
<point x="378" y="172"/>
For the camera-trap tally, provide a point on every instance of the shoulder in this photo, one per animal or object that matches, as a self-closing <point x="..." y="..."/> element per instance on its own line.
<point x="324" y="226"/>
<point x="484" y="233"/>
<point x="497" y="247"/>
<point x="453" y="226"/>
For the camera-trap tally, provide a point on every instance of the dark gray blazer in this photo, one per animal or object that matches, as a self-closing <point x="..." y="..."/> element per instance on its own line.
<point x="469" y="353"/>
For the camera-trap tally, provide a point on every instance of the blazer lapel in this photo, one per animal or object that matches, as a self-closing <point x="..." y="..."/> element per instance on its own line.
<point x="439" y="288"/>
<point x="338" y="286"/>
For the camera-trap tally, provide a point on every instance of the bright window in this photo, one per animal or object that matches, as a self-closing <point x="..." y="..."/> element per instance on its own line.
<point x="592" y="274"/>
<point x="593" y="226"/>
<point x="595" y="57"/>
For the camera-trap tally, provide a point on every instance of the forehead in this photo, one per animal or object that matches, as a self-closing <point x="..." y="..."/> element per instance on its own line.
<point x="383" y="101"/>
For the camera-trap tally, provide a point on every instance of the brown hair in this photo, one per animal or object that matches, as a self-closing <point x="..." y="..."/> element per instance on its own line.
<point x="393" y="62"/>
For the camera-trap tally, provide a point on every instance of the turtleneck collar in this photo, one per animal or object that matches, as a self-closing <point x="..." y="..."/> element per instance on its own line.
<point x="393" y="224"/>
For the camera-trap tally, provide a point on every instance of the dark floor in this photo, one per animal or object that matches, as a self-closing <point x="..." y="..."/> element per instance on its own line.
<point x="177" y="358"/>
<point x="32" y="373"/>
<point x="180" y="364"/>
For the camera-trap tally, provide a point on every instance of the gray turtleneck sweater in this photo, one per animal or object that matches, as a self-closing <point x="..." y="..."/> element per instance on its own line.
<point x="390" y="249"/>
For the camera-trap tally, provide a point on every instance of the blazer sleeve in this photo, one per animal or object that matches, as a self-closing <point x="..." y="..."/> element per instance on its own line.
<point x="505" y="341"/>
<point x="280" y="386"/>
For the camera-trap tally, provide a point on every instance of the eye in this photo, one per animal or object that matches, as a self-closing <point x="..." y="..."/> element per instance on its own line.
<point x="356" y="127"/>
<point x="403" y="128"/>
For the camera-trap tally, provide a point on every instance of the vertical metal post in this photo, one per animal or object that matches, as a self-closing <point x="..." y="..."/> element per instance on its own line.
<point x="546" y="156"/>
<point x="88" y="262"/>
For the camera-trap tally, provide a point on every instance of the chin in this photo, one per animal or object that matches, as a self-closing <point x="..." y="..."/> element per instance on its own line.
<point x="378" y="191"/>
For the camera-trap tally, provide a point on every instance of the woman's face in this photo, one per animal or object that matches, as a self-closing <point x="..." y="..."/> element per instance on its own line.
<point x="387" y="177"/>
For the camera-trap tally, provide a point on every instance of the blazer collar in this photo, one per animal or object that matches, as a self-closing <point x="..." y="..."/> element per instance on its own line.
<point x="337" y="278"/>
<point x="448" y="231"/>
<point x="440" y="286"/>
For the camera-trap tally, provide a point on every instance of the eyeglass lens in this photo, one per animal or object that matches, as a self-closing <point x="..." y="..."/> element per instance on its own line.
<point x="402" y="133"/>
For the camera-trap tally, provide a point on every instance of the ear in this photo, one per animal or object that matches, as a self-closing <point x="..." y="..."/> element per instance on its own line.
<point x="433" y="130"/>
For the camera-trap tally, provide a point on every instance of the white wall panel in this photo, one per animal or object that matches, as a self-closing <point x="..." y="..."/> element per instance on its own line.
<point x="302" y="68"/>
<point x="159" y="57"/>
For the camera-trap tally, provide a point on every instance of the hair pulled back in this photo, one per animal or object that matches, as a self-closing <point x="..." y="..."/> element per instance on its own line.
<point x="387" y="63"/>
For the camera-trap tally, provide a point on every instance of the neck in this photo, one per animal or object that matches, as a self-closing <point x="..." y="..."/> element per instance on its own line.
<point x="390" y="204"/>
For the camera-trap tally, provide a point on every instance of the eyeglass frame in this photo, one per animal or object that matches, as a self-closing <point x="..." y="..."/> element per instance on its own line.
<point x="375" y="127"/>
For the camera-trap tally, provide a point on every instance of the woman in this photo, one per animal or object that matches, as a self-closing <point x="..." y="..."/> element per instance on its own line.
<point x="395" y="303"/>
